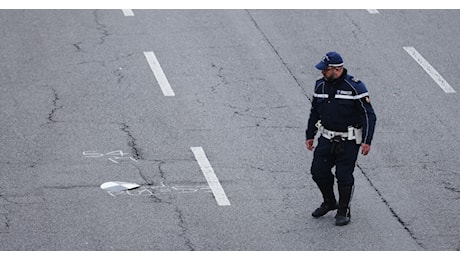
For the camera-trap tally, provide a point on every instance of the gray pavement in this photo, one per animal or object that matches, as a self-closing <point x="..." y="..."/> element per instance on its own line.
<point x="80" y="106"/>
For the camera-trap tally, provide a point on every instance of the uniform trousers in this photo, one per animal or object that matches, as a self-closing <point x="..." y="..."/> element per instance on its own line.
<point x="324" y="160"/>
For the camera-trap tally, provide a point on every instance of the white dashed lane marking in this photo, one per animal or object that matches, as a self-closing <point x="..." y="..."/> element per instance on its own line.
<point x="127" y="12"/>
<point x="213" y="181"/>
<point x="429" y="69"/>
<point x="159" y="74"/>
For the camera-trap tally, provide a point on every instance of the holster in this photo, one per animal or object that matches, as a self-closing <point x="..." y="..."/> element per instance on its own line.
<point x="358" y="132"/>
<point x="337" y="145"/>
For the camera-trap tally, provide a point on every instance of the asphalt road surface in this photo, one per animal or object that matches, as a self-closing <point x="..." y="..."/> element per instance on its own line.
<point x="206" y="110"/>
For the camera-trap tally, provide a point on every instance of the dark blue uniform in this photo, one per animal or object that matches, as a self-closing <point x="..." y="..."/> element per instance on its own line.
<point x="339" y="104"/>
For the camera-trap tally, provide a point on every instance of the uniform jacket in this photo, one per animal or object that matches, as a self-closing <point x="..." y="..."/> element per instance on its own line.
<point x="341" y="103"/>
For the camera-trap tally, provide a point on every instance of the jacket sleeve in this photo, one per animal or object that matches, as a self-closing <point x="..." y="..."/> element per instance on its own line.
<point x="368" y="116"/>
<point x="314" y="117"/>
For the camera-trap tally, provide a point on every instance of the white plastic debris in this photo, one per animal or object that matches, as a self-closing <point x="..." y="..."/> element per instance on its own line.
<point x="118" y="186"/>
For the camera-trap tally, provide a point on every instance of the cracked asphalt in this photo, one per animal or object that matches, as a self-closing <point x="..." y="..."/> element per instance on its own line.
<point x="80" y="107"/>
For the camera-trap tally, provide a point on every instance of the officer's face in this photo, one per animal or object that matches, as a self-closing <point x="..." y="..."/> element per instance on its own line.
<point x="328" y="73"/>
<point x="331" y="73"/>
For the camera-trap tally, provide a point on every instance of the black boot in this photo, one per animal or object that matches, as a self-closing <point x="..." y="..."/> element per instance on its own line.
<point x="329" y="203"/>
<point x="343" y="211"/>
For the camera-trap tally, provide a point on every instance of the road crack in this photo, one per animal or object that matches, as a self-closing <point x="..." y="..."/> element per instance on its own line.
<point x="277" y="53"/>
<point x="4" y="219"/>
<point x="132" y="142"/>
<point x="101" y="28"/>
<point x="183" y="228"/>
<point x="393" y="212"/>
<point x="77" y="46"/>
<point x="220" y="75"/>
<point x="55" y="107"/>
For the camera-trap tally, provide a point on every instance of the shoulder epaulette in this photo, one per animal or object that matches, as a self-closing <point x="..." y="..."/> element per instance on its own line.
<point x="355" y="79"/>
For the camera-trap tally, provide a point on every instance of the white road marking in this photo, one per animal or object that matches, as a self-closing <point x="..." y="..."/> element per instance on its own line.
<point x="159" y="74"/>
<point x="128" y="12"/>
<point x="373" y="11"/>
<point x="429" y="69"/>
<point x="213" y="181"/>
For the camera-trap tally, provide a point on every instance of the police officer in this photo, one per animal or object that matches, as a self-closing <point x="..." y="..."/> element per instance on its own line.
<point x="342" y="114"/>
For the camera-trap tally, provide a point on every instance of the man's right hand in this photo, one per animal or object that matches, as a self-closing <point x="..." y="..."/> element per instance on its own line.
<point x="309" y="144"/>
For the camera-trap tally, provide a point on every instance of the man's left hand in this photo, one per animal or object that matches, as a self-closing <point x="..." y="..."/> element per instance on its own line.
<point x="365" y="149"/>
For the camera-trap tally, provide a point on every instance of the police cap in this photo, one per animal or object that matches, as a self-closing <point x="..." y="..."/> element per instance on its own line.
<point x="331" y="58"/>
